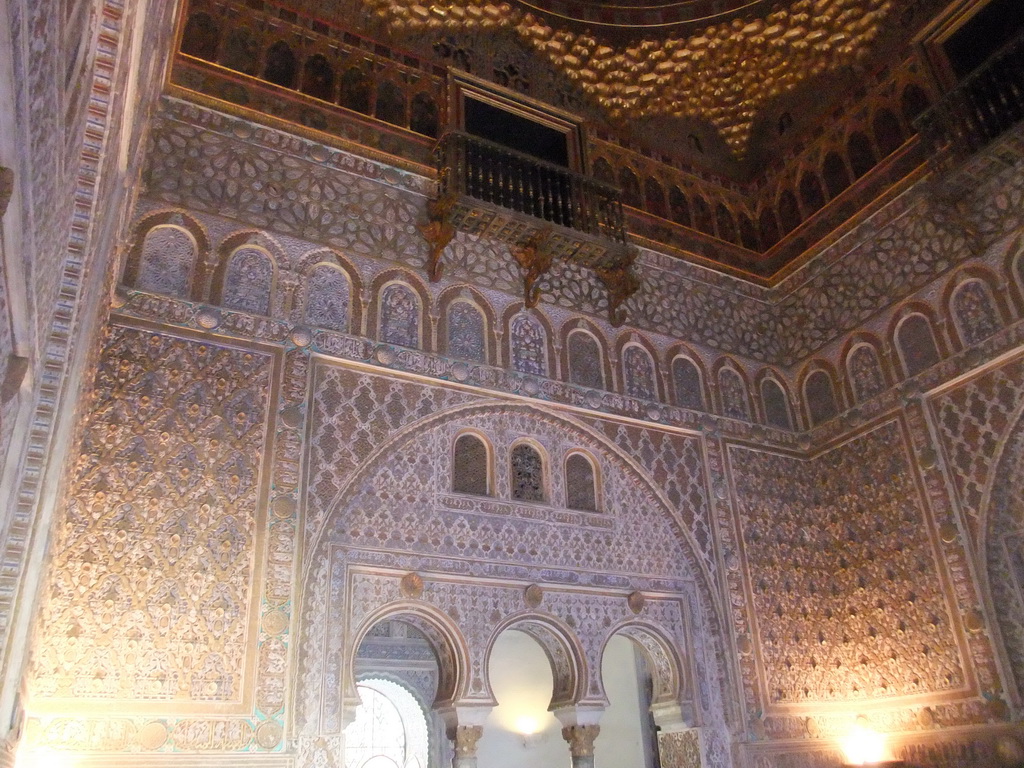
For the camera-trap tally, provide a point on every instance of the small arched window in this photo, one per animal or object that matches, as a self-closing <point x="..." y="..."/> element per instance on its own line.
<point x="466" y="332"/>
<point x="580" y="483"/>
<point x="914" y="102"/>
<point x="916" y="343"/>
<point x="318" y="77"/>
<point x="355" y="90"/>
<point x="630" y="184"/>
<point x="603" y="171"/>
<point x="821" y="398"/>
<point x="702" y="219"/>
<point x="638" y="373"/>
<point x="726" y="225"/>
<point x="423" y="116"/>
<point x="241" y="51"/>
<point x="528" y="343"/>
<point x="281" y="65"/>
<point x="888" y="133"/>
<point x="200" y="37"/>
<point x="328" y="294"/>
<point x="680" y="207"/>
<point x="687" y="383"/>
<point x="654" y="196"/>
<point x="390" y="103"/>
<point x="470" y="466"/>
<point x="835" y="174"/>
<point x="248" y="281"/>
<point x="865" y="372"/>
<point x="810" y="192"/>
<point x="586" y="366"/>
<point x="169" y="254"/>
<point x="400" y="316"/>
<point x="776" y="405"/>
<point x="527" y="473"/>
<point x="768" y="228"/>
<point x="789" y="211"/>
<point x="860" y="153"/>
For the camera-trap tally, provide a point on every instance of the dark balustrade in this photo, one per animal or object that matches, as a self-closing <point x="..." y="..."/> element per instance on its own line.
<point x="472" y="167"/>
<point x="983" y="106"/>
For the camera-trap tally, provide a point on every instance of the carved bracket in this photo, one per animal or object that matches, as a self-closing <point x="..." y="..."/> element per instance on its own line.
<point x="438" y="232"/>
<point x="621" y="282"/>
<point x="534" y="260"/>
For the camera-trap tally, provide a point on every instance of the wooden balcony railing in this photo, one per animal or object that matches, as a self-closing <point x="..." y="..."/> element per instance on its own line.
<point x="982" y="107"/>
<point x="480" y="169"/>
<point x="545" y="212"/>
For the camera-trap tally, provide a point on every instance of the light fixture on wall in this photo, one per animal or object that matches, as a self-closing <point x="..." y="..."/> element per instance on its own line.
<point x="529" y="730"/>
<point x="865" y="746"/>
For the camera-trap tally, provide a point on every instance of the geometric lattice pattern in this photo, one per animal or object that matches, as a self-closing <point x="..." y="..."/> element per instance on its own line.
<point x="972" y="421"/>
<point x="154" y="555"/>
<point x="844" y="583"/>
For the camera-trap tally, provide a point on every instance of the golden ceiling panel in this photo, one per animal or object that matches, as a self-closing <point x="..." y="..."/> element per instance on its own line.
<point x="722" y="73"/>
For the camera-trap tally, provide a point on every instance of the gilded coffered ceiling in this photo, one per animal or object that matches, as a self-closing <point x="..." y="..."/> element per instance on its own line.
<point x="666" y="67"/>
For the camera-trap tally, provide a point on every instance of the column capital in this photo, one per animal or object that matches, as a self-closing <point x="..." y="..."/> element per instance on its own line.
<point x="581" y="739"/>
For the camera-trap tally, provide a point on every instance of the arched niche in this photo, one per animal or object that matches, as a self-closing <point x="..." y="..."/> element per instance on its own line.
<point x="471" y="464"/>
<point x="864" y="370"/>
<point x="441" y="632"/>
<point x="529" y="342"/>
<point x="400" y="315"/>
<point x="582" y="482"/>
<point x="688" y="383"/>
<point x="820" y="396"/>
<point x="585" y="358"/>
<point x="775" y="402"/>
<point x="168" y="255"/>
<point x="648" y="534"/>
<point x="733" y="393"/>
<point x="915" y="341"/>
<point x="639" y="375"/>
<point x="328" y="297"/>
<point x="973" y="307"/>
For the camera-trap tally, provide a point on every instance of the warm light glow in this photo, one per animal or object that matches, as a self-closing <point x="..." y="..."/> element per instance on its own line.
<point x="527" y="725"/>
<point x="45" y="758"/>
<point x="863" y="746"/>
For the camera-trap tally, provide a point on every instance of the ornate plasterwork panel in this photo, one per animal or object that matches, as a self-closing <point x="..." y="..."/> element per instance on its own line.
<point x="850" y="600"/>
<point x="295" y="187"/>
<point x="1004" y="552"/>
<point x="156" y="552"/>
<point x="973" y="421"/>
<point x="407" y="502"/>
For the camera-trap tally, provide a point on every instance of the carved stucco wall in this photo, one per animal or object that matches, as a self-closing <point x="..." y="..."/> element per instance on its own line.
<point x="379" y="498"/>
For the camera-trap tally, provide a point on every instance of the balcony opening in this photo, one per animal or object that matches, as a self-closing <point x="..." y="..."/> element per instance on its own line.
<point x="516" y="131"/>
<point x="982" y="35"/>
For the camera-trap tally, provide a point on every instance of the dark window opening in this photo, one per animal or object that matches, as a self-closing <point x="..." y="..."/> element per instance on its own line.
<point x="516" y="132"/>
<point x="982" y="35"/>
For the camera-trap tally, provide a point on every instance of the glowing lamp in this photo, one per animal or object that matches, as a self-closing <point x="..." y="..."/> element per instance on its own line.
<point x="865" y="746"/>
